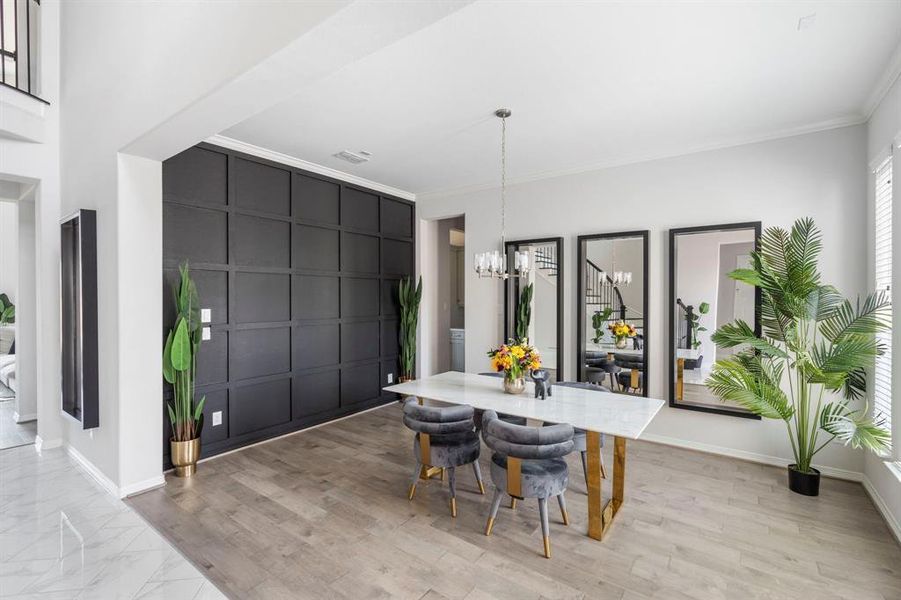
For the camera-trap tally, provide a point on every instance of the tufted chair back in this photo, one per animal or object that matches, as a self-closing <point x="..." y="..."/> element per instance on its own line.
<point x="438" y="420"/>
<point x="523" y="442"/>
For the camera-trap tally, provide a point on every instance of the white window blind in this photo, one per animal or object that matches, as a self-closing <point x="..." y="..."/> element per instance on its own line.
<point x="882" y="392"/>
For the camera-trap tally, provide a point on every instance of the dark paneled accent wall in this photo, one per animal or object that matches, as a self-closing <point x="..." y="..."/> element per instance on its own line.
<point x="300" y="272"/>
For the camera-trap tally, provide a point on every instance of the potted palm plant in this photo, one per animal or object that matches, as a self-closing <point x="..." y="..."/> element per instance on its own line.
<point x="409" y="298"/>
<point x="179" y="370"/>
<point x="815" y="341"/>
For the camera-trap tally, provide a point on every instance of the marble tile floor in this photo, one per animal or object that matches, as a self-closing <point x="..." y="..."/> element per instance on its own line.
<point x="11" y="433"/>
<point x="62" y="536"/>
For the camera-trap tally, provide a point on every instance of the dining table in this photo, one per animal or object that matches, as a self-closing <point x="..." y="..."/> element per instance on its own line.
<point x="621" y="416"/>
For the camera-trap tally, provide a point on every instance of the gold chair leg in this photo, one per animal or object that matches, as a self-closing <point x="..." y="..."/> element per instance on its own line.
<point x="489" y="526"/>
<point x="481" y="488"/>
<point x="453" y="504"/>
<point x="513" y="502"/>
<point x="547" y="547"/>
<point x="412" y="492"/>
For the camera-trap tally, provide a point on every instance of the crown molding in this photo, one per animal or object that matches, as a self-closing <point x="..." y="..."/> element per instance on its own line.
<point x="837" y="123"/>
<point x="260" y="152"/>
<point x="884" y="84"/>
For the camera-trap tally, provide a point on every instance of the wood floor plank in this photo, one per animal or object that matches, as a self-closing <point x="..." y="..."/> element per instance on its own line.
<point x="324" y="514"/>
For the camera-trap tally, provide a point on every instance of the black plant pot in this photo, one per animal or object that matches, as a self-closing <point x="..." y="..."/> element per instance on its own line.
<point x="807" y="484"/>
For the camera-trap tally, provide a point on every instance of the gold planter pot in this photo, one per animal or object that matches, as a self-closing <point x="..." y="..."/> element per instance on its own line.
<point x="514" y="386"/>
<point x="184" y="456"/>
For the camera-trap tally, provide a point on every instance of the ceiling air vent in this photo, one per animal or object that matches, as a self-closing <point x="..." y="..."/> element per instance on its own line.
<point x="353" y="158"/>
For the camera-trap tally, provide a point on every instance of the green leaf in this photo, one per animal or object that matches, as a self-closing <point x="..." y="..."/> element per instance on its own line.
<point x="172" y="420"/>
<point x="739" y="333"/>
<point x="180" y="353"/>
<point x="168" y="370"/>
<point x="704" y="308"/>
<point x="855" y="429"/>
<point x="732" y="381"/>
<point x="198" y="410"/>
<point x="749" y="276"/>
<point x="864" y="319"/>
<point x="823" y="302"/>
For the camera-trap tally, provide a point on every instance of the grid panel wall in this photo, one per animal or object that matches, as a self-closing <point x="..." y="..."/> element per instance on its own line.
<point x="300" y="273"/>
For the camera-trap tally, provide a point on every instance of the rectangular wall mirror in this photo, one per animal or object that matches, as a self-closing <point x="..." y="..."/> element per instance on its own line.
<point x="78" y="317"/>
<point x="612" y="299"/>
<point x="545" y="274"/>
<point x="702" y="298"/>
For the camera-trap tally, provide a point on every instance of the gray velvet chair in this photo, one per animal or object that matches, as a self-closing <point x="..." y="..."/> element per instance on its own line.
<point x="445" y="438"/>
<point x="527" y="462"/>
<point x="580" y="442"/>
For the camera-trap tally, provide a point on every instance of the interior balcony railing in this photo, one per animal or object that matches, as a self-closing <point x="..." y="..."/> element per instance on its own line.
<point x="19" y="46"/>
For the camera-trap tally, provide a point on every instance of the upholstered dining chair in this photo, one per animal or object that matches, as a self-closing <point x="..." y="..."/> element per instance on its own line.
<point x="580" y="439"/>
<point x="445" y="438"/>
<point x="528" y="463"/>
<point x="631" y="378"/>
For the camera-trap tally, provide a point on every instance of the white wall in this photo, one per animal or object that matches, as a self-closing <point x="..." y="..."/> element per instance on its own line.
<point x="819" y="175"/>
<point x="35" y="165"/>
<point x="884" y="130"/>
<point x="9" y="250"/>
<point x="127" y="68"/>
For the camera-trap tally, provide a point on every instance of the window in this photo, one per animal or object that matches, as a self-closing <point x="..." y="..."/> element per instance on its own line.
<point x="882" y="389"/>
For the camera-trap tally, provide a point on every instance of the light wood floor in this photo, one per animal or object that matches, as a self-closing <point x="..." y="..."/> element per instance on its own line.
<point x="324" y="514"/>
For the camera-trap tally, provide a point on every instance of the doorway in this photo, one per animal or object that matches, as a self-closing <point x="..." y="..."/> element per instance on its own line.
<point x="443" y="309"/>
<point x="18" y="406"/>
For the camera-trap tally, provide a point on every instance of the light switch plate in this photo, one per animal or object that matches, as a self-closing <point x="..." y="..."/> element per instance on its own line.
<point x="206" y="315"/>
<point x="390" y="377"/>
<point x="217" y="418"/>
<point x="206" y="334"/>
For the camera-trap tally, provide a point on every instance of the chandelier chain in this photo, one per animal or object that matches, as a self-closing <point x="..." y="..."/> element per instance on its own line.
<point x="504" y="183"/>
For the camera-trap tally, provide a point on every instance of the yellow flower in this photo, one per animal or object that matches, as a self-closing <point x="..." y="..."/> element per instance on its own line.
<point x="518" y="352"/>
<point x="536" y="364"/>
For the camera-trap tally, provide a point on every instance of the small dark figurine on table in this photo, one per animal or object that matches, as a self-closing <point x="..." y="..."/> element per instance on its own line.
<point x="542" y="383"/>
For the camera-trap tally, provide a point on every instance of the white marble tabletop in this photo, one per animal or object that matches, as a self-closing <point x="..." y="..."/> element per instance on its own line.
<point x="615" y="414"/>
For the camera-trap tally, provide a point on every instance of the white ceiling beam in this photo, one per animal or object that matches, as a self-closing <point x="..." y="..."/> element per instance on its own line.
<point x="354" y="32"/>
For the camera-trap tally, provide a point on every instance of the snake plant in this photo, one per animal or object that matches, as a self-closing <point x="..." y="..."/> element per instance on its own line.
<point x="409" y="298"/>
<point x="7" y="310"/>
<point x="524" y="312"/>
<point x="180" y="361"/>
<point x="814" y="340"/>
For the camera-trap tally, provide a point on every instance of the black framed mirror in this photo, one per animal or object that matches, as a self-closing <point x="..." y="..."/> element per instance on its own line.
<point x="702" y="297"/>
<point x="545" y="274"/>
<point x="78" y="318"/>
<point x="612" y="309"/>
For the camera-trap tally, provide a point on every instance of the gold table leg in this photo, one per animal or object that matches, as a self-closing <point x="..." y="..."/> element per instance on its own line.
<point x="600" y="516"/>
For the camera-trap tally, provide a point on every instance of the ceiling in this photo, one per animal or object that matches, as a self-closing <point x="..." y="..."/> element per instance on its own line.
<point x="590" y="85"/>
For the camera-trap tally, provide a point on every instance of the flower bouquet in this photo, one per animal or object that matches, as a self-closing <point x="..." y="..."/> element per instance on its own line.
<point x="622" y="331"/>
<point x="515" y="360"/>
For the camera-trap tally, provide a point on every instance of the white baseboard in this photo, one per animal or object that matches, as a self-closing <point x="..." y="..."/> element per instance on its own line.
<point x="24" y="418"/>
<point x="104" y="481"/>
<point x="881" y="505"/>
<point x="142" y="486"/>
<point x="765" y="459"/>
<point x="108" y="484"/>
<point x="42" y="444"/>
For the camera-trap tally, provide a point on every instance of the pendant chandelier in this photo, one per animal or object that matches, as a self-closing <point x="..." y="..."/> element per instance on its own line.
<point x="493" y="263"/>
<point x="619" y="278"/>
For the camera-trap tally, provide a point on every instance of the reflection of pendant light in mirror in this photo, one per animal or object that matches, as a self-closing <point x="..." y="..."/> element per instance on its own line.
<point x="619" y="277"/>
<point x="494" y="263"/>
